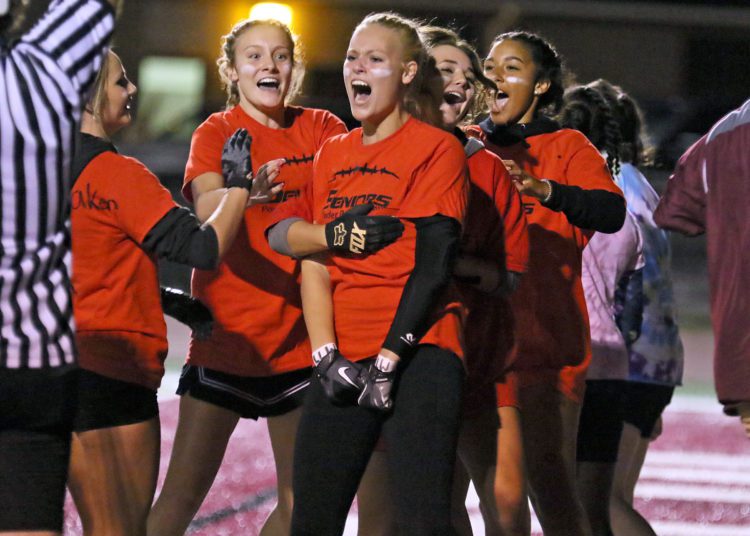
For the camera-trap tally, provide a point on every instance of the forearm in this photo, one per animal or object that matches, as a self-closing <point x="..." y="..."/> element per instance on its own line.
<point x="228" y="216"/>
<point x="207" y="202"/>
<point x="317" y="303"/>
<point x="304" y="238"/>
<point x="436" y="249"/>
<point x="598" y="210"/>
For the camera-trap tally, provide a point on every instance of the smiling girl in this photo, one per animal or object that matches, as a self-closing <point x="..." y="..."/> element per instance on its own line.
<point x="256" y="362"/>
<point x="494" y="253"/>
<point x="567" y="194"/>
<point x="388" y="316"/>
<point x="125" y="220"/>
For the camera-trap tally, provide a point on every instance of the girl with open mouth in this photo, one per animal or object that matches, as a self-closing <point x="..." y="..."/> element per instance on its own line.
<point x="568" y="194"/>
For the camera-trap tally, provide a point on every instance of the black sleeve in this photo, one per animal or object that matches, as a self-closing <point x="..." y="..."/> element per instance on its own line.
<point x="598" y="210"/>
<point x="180" y="237"/>
<point x="436" y="250"/>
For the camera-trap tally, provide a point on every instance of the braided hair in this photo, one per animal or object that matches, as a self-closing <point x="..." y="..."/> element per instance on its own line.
<point x="424" y="94"/>
<point x="634" y="148"/>
<point x="226" y="60"/>
<point x="586" y="110"/>
<point x="549" y="63"/>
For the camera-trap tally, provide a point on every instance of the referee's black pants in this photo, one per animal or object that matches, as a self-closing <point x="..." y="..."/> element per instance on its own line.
<point x="36" y="420"/>
<point x="334" y="444"/>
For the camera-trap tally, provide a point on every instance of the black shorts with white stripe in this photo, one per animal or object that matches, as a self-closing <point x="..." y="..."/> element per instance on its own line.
<point x="251" y="398"/>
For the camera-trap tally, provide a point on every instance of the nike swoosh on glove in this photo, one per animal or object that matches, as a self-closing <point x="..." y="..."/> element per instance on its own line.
<point x="341" y="379"/>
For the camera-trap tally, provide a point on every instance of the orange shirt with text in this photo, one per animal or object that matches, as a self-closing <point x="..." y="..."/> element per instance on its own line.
<point x="254" y="293"/>
<point x="120" y="329"/>
<point x="417" y="172"/>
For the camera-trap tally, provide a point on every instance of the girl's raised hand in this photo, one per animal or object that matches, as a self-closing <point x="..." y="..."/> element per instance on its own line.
<point x="264" y="188"/>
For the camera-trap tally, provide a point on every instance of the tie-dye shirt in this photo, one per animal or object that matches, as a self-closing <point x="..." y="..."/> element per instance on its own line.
<point x="657" y="356"/>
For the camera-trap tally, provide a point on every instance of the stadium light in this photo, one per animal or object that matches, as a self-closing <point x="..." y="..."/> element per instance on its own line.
<point x="272" y="10"/>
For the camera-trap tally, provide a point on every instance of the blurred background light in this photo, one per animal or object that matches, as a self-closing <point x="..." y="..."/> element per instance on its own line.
<point x="272" y="10"/>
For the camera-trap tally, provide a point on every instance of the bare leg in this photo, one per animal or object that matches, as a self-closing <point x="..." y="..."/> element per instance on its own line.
<point x="375" y="512"/>
<point x="550" y="429"/>
<point x="626" y="520"/>
<point x="282" y="430"/>
<point x="511" y="492"/>
<point x="477" y="453"/>
<point x="203" y="431"/>
<point x="594" y="481"/>
<point x="112" y="477"/>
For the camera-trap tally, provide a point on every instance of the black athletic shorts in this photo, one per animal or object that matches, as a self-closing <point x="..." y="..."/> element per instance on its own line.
<point x="600" y="426"/>
<point x="105" y="402"/>
<point x="644" y="404"/>
<point x="36" y="417"/>
<point x="266" y="396"/>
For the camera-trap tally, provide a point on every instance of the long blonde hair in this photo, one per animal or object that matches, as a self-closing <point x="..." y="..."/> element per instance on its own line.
<point x="424" y="94"/>
<point x="98" y="99"/>
<point x="226" y="60"/>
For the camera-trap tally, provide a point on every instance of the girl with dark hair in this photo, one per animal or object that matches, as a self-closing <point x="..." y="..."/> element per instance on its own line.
<point x="568" y="194"/>
<point x="256" y="361"/>
<point x="494" y="253"/>
<point x="386" y="327"/>
<point x="611" y="264"/>
<point x="122" y="220"/>
<point x="656" y="357"/>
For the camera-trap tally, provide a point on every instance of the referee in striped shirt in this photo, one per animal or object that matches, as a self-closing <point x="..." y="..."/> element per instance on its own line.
<point x="44" y="76"/>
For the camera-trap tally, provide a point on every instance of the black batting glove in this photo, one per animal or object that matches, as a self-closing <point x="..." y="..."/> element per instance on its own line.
<point x="341" y="379"/>
<point x="236" y="164"/>
<point x="356" y="232"/>
<point x="378" y="384"/>
<point x="188" y="310"/>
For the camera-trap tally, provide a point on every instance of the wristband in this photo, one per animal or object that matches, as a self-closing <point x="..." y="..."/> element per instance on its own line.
<point x="547" y="197"/>
<point x="383" y="364"/>
<point x="323" y="351"/>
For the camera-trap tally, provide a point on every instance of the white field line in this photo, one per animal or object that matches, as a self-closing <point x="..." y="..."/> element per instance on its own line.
<point x="676" y="528"/>
<point x="684" y="492"/>
<point x="727" y="475"/>
<point x="678" y="458"/>
<point x="695" y="404"/>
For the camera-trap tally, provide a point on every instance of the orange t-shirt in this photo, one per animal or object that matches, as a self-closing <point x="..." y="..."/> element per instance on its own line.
<point x="552" y="327"/>
<point x="121" y="332"/>
<point x="402" y="178"/>
<point x="494" y="230"/>
<point x="254" y="293"/>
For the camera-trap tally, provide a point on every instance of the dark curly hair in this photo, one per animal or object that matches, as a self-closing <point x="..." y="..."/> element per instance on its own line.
<point x="634" y="146"/>
<point x="550" y="66"/>
<point x="586" y="110"/>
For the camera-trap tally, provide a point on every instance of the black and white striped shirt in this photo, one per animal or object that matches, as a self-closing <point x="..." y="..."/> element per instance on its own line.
<point x="43" y="80"/>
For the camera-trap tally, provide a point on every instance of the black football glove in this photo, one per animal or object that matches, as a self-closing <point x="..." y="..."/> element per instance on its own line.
<point x="236" y="164"/>
<point x="356" y="232"/>
<point x="378" y="384"/>
<point x="188" y="310"/>
<point x="341" y="379"/>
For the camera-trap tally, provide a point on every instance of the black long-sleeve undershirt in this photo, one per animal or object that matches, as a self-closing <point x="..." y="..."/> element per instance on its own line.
<point x="436" y="249"/>
<point x="598" y="210"/>
<point x="180" y="237"/>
